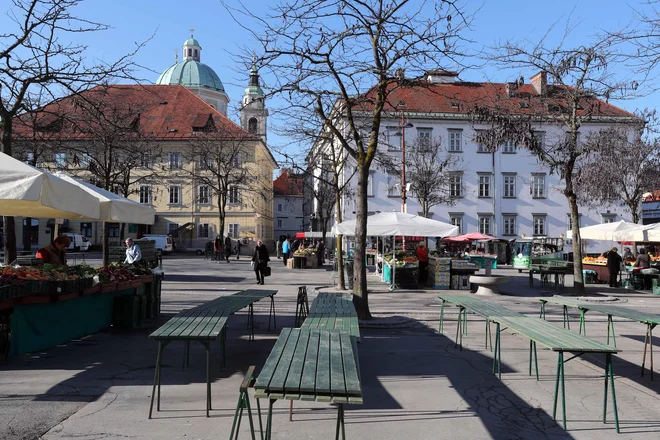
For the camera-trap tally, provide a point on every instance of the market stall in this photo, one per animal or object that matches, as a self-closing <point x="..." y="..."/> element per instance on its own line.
<point x="399" y="224"/>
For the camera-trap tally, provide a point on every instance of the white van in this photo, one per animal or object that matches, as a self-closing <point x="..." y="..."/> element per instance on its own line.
<point x="79" y="243"/>
<point x="163" y="242"/>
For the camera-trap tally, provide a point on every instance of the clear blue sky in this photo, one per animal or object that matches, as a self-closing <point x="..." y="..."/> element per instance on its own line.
<point x="137" y="20"/>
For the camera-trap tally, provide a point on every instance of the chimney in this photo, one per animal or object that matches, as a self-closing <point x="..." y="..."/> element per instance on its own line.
<point x="511" y="89"/>
<point x="540" y="82"/>
<point x="440" y="76"/>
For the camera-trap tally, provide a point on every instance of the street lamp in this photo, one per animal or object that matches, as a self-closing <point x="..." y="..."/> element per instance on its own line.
<point x="404" y="187"/>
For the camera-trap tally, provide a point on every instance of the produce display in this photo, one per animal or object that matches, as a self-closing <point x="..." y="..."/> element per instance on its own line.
<point x="598" y="261"/>
<point x="304" y="252"/>
<point x="402" y="259"/>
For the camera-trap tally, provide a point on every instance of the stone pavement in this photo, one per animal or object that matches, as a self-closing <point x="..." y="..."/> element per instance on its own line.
<point x="416" y="384"/>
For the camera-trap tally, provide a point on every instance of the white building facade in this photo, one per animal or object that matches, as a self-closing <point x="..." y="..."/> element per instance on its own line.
<point x="506" y="194"/>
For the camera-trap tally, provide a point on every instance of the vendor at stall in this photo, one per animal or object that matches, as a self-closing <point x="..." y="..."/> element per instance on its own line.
<point x="613" y="266"/>
<point x="643" y="260"/>
<point x="423" y="257"/>
<point x="133" y="252"/>
<point x="55" y="253"/>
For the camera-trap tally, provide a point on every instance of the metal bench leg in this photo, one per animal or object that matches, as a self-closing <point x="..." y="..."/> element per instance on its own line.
<point x="269" y="420"/>
<point x="208" y="378"/>
<point x="567" y="322"/>
<point x="532" y="350"/>
<point x="261" y="427"/>
<point x="496" y="356"/>
<point x="583" y="324"/>
<point x="465" y="324"/>
<point x="458" y="329"/>
<point x="159" y="359"/>
<point x="560" y="377"/>
<point x="272" y="312"/>
<point x="542" y="312"/>
<point x="609" y="375"/>
<point x="610" y="323"/>
<point x="340" y="422"/>
<point x="238" y="415"/>
<point x="250" y="322"/>
<point x="442" y="317"/>
<point x="646" y="343"/>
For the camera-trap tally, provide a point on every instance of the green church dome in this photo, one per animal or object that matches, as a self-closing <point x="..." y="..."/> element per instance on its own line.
<point x="191" y="73"/>
<point x="192" y="42"/>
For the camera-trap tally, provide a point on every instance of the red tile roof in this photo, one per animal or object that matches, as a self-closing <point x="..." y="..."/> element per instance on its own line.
<point x="166" y="112"/>
<point x="288" y="184"/>
<point x="461" y="97"/>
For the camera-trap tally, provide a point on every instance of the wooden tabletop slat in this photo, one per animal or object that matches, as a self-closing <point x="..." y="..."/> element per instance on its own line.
<point x="351" y="375"/>
<point x="308" y="379"/>
<point x="263" y="381"/>
<point x="284" y="365"/>
<point x="323" y="364"/>
<point x="297" y="363"/>
<point x="337" y="382"/>
<point x="621" y="312"/>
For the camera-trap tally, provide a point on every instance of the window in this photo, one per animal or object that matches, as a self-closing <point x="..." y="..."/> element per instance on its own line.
<point x="60" y="160"/>
<point x="484" y="185"/>
<point x="569" y="221"/>
<point x="508" y="147"/>
<point x="481" y="148"/>
<point x="116" y="189"/>
<point x="539" y="225"/>
<point x="540" y="138"/>
<point x="424" y="138"/>
<point x="509" y="186"/>
<point x="455" y="140"/>
<point x="252" y="125"/>
<point x="393" y="135"/>
<point x="145" y="194"/>
<point x="392" y="190"/>
<point x="509" y="225"/>
<point x="608" y="218"/>
<point x="233" y="230"/>
<point x="457" y="220"/>
<point x="175" y="195"/>
<point x="234" y="195"/>
<point x="204" y="194"/>
<point x="172" y="227"/>
<point x="279" y="223"/>
<point x="237" y="160"/>
<point x="279" y="207"/>
<point x="86" y="229"/>
<point x="174" y="159"/>
<point x="28" y="157"/>
<point x="538" y="186"/>
<point x="484" y="224"/>
<point x="145" y="160"/>
<point x="370" y="185"/>
<point x="456" y="185"/>
<point x="203" y="230"/>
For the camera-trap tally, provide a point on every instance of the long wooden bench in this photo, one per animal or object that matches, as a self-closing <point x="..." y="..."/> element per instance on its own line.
<point x="542" y="332"/>
<point x="312" y="364"/>
<point x="204" y="324"/>
<point x="333" y="311"/>
<point x="650" y="319"/>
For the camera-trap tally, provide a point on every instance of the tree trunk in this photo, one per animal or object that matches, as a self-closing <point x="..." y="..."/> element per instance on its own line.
<point x="634" y="210"/>
<point x="106" y="244"/>
<point x="221" y="218"/>
<point x="122" y="230"/>
<point x="360" y="293"/>
<point x="578" y="281"/>
<point x="9" y="230"/>
<point x="341" y="279"/>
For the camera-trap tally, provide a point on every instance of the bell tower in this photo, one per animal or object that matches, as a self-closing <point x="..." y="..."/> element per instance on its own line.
<point x="254" y="114"/>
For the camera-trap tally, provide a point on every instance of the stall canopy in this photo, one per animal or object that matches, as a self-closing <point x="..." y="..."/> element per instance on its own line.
<point x="114" y="208"/>
<point x="615" y="231"/>
<point x="472" y="236"/>
<point x="30" y="192"/>
<point x="399" y="223"/>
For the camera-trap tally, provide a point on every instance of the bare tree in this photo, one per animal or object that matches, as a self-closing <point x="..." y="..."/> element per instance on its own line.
<point x="35" y="61"/>
<point x="224" y="168"/>
<point x="563" y="97"/>
<point x="624" y="166"/>
<point x="333" y="62"/>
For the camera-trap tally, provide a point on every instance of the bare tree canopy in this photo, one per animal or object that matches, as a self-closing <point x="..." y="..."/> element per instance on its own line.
<point x="333" y="62"/>
<point x="563" y="96"/>
<point x="624" y="167"/>
<point x="39" y="63"/>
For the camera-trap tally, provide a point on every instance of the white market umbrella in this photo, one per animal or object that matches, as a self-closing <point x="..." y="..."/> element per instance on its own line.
<point x="399" y="223"/>
<point x="115" y="208"/>
<point x="609" y="231"/>
<point x="30" y="192"/>
<point x="641" y="233"/>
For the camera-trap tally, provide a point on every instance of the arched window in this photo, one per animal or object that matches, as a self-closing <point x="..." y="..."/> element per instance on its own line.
<point x="195" y="53"/>
<point x="252" y="125"/>
<point x="189" y="52"/>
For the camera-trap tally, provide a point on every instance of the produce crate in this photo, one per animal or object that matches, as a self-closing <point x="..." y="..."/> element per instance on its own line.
<point x="126" y="312"/>
<point x="6" y="292"/>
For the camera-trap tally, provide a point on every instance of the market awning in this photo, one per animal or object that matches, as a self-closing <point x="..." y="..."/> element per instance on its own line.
<point x="615" y="231"/>
<point x="387" y="224"/>
<point x="472" y="236"/>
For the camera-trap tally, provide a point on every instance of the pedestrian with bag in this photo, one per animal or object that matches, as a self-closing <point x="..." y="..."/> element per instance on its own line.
<point x="286" y="247"/>
<point x="227" y="248"/>
<point x="613" y="266"/>
<point x="260" y="260"/>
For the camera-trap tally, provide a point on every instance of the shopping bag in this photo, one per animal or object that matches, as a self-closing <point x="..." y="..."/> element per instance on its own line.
<point x="266" y="271"/>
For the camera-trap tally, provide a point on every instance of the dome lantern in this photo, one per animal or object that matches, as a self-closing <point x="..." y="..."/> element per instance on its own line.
<point x="191" y="48"/>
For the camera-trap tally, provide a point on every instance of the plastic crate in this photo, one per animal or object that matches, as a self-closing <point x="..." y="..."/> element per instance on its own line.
<point x="125" y="312"/>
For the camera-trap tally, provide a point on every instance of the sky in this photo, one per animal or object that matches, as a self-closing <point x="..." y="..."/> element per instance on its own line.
<point x="166" y="23"/>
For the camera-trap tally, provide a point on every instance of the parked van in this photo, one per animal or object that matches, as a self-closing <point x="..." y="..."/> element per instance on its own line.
<point x="163" y="242"/>
<point x="79" y="243"/>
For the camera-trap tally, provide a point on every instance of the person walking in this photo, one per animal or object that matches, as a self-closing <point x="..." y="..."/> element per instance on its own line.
<point x="286" y="247"/>
<point x="239" y="245"/>
<point x="613" y="266"/>
<point x="278" y="249"/>
<point x="423" y="257"/>
<point x="320" y="254"/>
<point x="227" y="248"/>
<point x="260" y="260"/>
<point x="217" y="249"/>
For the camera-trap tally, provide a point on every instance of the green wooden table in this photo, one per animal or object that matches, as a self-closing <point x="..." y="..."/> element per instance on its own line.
<point x="333" y="311"/>
<point x="204" y="324"/>
<point x="311" y="364"/>
<point x="650" y="319"/>
<point x="537" y="331"/>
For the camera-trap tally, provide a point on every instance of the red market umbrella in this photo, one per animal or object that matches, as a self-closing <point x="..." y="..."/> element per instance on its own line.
<point x="300" y="235"/>
<point x="472" y="236"/>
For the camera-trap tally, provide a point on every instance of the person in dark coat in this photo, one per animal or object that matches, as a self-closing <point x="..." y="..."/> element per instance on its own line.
<point x="227" y="247"/>
<point x="217" y="248"/>
<point x="260" y="260"/>
<point x="614" y="261"/>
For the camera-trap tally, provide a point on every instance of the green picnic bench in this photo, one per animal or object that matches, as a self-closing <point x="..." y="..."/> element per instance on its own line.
<point x="650" y="319"/>
<point x="204" y="324"/>
<point x="311" y="364"/>
<point x="333" y="311"/>
<point x="542" y="332"/>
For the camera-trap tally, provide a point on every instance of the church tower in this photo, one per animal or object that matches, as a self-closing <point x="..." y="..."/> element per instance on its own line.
<point x="254" y="113"/>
